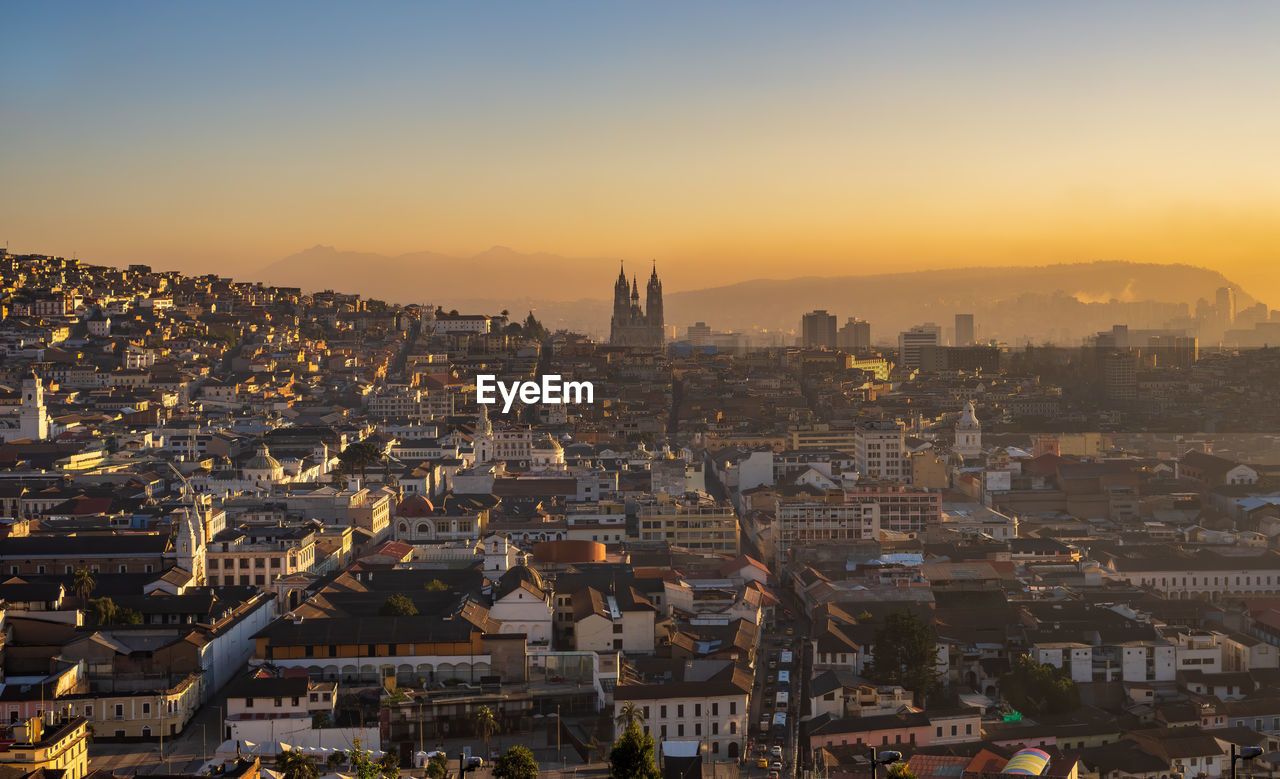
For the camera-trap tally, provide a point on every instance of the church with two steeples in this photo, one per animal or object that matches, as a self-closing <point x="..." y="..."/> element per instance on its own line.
<point x="632" y="325"/>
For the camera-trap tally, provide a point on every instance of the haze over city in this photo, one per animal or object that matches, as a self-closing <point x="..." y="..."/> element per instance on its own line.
<point x="728" y="140"/>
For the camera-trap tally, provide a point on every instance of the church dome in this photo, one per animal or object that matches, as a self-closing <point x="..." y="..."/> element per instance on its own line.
<point x="968" y="418"/>
<point x="262" y="460"/>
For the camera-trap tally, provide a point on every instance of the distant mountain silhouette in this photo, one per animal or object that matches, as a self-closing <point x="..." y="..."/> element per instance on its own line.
<point x="1055" y="302"/>
<point x="1061" y="303"/>
<point x="432" y="277"/>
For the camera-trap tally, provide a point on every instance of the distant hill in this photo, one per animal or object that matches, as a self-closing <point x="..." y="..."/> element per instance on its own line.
<point x="1056" y="302"/>
<point x="431" y="277"/>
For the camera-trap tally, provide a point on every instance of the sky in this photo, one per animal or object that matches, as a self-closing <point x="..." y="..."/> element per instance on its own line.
<point x="736" y="139"/>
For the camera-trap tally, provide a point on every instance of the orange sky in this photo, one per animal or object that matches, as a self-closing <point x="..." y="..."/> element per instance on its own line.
<point x="735" y="140"/>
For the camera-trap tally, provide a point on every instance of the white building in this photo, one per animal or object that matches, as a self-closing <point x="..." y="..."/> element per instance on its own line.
<point x="522" y="604"/>
<point x="879" y="451"/>
<point x="703" y="701"/>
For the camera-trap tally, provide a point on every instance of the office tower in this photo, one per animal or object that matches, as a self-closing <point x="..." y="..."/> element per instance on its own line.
<point x="818" y="328"/>
<point x="911" y="341"/>
<point x="964" y="330"/>
<point x="1226" y="305"/>
<point x="855" y="335"/>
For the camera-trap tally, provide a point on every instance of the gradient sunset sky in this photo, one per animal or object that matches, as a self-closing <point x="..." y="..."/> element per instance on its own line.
<point x="738" y="138"/>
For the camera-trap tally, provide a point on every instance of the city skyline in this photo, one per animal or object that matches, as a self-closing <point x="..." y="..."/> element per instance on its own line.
<point x="828" y="140"/>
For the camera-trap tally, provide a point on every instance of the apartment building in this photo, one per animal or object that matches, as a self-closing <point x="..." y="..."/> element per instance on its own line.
<point x="694" y="520"/>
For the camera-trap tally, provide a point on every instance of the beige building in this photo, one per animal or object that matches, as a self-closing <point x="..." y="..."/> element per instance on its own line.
<point x="141" y="714"/>
<point x="694" y="521"/>
<point x="258" y="556"/>
<point x="48" y="743"/>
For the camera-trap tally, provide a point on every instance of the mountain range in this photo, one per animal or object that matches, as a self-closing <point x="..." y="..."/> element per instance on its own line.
<point x="1061" y="303"/>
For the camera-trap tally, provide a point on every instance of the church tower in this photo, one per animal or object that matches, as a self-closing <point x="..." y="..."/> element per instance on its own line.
<point x="653" y="302"/>
<point x="189" y="546"/>
<point x="621" y="308"/>
<point x="968" y="433"/>
<point x="482" y="441"/>
<point x="33" y="419"/>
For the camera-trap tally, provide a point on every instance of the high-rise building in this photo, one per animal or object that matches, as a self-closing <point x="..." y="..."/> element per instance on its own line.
<point x="1226" y="305"/>
<point x="855" y="335"/>
<point x="818" y="328"/>
<point x="699" y="334"/>
<point x="880" y="450"/>
<point x="964" y="330"/>
<point x="1120" y="376"/>
<point x="911" y="341"/>
<point x="632" y="325"/>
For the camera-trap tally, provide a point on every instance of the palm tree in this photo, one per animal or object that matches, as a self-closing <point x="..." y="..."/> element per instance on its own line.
<point x="486" y="726"/>
<point x="83" y="583"/>
<point x="628" y="715"/>
<point x="296" y="765"/>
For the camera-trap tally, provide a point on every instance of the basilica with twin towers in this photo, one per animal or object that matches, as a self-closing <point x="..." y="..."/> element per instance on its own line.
<point x="632" y="325"/>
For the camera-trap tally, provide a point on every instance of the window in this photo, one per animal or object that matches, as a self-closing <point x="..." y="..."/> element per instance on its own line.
<point x="697" y="709"/>
<point x="715" y="728"/>
<point x="248" y="703"/>
<point x="146" y="708"/>
<point x="278" y="702"/>
<point x="119" y="711"/>
<point x="733" y="708"/>
<point x="680" y="731"/>
<point x="715" y="709"/>
<point x="680" y="710"/>
<point x="662" y="712"/>
<point x="88" y="711"/>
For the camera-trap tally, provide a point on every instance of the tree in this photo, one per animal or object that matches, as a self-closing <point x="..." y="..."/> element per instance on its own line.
<point x="389" y="766"/>
<point x="516" y="763"/>
<point x="435" y="585"/>
<point x="900" y="771"/>
<point x="296" y="765"/>
<point x="83" y="583"/>
<point x="104" y="611"/>
<point x="398" y="605"/>
<point x="634" y="756"/>
<point x="534" y="329"/>
<point x="336" y="759"/>
<point x="905" y="652"/>
<point x="438" y="767"/>
<point x="1038" y="688"/>
<point x="486" y="725"/>
<point x="630" y="714"/>
<point x="364" y="766"/>
<point x="359" y="456"/>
